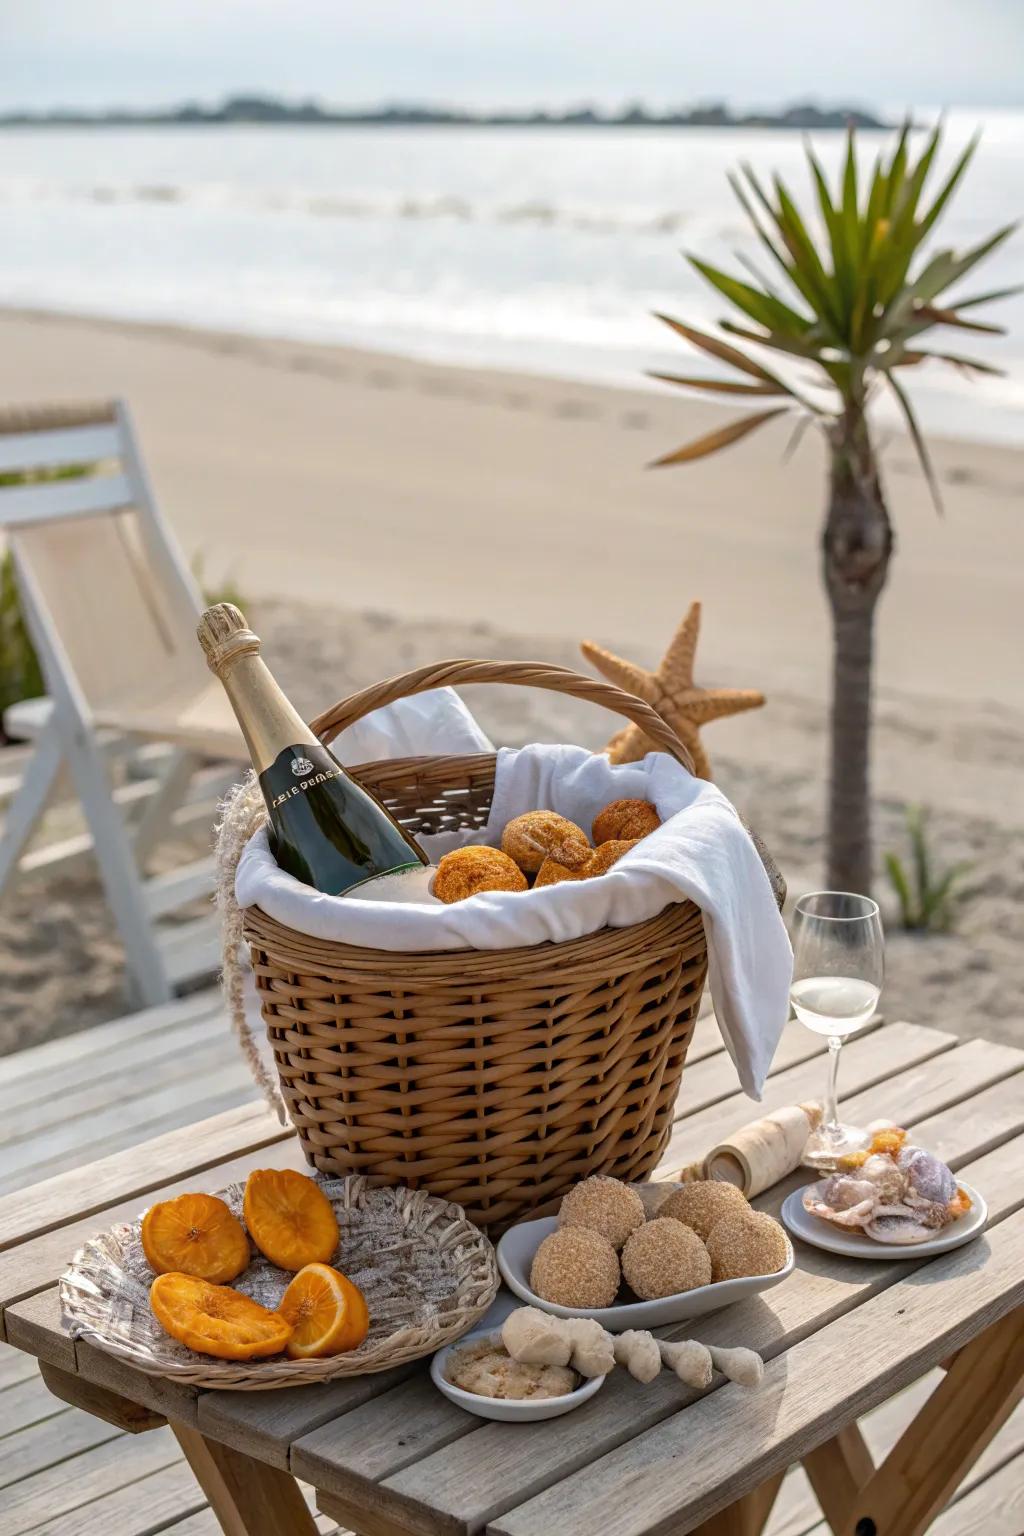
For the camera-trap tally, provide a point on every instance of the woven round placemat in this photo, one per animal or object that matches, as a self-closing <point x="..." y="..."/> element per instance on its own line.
<point x="427" y="1274"/>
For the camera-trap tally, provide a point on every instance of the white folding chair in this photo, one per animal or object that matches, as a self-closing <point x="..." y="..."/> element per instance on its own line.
<point x="111" y="608"/>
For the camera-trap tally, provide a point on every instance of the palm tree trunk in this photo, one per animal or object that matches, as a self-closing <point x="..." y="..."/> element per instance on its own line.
<point x="857" y="544"/>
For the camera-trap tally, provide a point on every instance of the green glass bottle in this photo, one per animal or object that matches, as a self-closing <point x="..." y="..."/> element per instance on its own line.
<point x="325" y="829"/>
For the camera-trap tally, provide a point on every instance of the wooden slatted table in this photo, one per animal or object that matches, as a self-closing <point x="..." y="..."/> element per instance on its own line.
<point x="390" y="1457"/>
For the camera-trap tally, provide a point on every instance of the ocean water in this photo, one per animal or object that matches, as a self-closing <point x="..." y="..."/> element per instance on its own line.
<point x="539" y="249"/>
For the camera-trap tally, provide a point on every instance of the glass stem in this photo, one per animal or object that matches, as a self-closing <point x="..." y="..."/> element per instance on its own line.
<point x="831" y="1092"/>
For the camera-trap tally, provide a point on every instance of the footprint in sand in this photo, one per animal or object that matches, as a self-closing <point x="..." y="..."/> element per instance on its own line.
<point x="575" y="410"/>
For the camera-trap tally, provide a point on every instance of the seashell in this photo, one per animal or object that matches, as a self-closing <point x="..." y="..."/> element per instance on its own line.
<point x="896" y="1225"/>
<point x="842" y="1191"/>
<point x="903" y="1196"/>
<point x="884" y="1175"/>
<point x="845" y="1201"/>
<point x="926" y="1176"/>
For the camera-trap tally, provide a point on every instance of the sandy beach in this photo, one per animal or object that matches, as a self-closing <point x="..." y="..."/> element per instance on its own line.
<point x="379" y="512"/>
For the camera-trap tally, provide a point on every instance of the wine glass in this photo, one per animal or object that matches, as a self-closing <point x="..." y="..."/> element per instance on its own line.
<point x="838" y="964"/>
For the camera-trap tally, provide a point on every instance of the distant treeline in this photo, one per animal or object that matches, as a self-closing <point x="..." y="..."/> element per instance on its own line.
<point x="266" y="109"/>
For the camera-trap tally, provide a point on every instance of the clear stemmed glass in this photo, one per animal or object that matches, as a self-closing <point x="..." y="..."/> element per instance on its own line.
<point x="838" y="965"/>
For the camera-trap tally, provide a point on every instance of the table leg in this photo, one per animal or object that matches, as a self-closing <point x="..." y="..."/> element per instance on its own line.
<point x="981" y="1388"/>
<point x="837" y="1471"/>
<point x="748" y="1516"/>
<point x="248" y="1497"/>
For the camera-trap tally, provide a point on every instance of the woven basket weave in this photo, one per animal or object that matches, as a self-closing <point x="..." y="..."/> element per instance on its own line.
<point x="493" y="1078"/>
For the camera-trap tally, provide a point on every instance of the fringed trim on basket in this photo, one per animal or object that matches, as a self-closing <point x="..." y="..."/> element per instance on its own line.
<point x="241" y="813"/>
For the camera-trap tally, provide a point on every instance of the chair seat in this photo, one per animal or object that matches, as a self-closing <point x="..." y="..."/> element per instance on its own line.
<point x="201" y="721"/>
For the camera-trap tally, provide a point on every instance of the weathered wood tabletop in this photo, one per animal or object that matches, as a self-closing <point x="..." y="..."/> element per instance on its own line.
<point x="389" y="1455"/>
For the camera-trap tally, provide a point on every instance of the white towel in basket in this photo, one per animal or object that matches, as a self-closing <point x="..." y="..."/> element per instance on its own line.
<point x="701" y="851"/>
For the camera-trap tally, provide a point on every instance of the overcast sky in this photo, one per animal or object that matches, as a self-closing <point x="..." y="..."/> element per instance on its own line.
<point x="482" y="53"/>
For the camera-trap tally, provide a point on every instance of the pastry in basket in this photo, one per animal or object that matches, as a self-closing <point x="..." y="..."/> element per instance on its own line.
<point x="607" y="854"/>
<point x="553" y="873"/>
<point x="537" y="835"/>
<point x="468" y="871"/>
<point x="326" y="1312"/>
<point x="216" y="1320"/>
<point x="627" y="819"/>
<point x="289" y="1218"/>
<point x="195" y="1235"/>
<point x="602" y="859"/>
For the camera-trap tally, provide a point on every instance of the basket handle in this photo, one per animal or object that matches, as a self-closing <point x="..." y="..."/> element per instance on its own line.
<point x="525" y="674"/>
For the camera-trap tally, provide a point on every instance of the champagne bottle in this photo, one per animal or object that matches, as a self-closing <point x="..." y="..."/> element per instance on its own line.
<point x="325" y="829"/>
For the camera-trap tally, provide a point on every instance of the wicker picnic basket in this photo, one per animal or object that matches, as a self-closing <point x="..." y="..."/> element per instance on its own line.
<point x="494" y="1078"/>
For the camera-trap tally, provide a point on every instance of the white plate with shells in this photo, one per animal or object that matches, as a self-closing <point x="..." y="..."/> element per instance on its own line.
<point x="854" y="1242"/>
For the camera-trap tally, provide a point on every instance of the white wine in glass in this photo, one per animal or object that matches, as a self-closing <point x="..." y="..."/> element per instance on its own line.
<point x="838" y="965"/>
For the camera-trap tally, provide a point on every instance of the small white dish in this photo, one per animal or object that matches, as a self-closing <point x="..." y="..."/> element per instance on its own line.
<point x="515" y="1256"/>
<point x="855" y="1245"/>
<point x="506" y="1410"/>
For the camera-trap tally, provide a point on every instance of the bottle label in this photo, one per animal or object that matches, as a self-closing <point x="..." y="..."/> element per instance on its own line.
<point x="307" y="777"/>
<point x="325" y="828"/>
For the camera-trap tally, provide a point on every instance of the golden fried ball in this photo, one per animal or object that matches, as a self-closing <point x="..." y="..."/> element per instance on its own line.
<point x="701" y="1204"/>
<point x="532" y="837"/>
<point x="631" y="819"/>
<point x="605" y="1205"/>
<point x="748" y="1243"/>
<point x="574" y="1267"/>
<point x="662" y="1258"/>
<point x="467" y="871"/>
<point x="608" y="854"/>
<point x="553" y="873"/>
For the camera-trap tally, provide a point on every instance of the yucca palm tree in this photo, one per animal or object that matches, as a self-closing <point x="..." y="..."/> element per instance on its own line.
<point x="858" y="295"/>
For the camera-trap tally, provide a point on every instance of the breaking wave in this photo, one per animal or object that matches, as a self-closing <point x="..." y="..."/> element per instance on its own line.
<point x="596" y="219"/>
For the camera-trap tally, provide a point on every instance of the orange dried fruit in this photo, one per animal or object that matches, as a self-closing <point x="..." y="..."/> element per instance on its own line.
<point x="327" y="1313"/>
<point x="216" y="1320"/>
<point x="195" y="1235"/>
<point x="289" y="1217"/>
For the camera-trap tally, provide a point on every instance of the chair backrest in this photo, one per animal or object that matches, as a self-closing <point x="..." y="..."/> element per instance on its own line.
<point x="108" y="598"/>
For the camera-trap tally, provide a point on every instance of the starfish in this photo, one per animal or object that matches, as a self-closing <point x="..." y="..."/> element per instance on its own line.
<point x="672" y="692"/>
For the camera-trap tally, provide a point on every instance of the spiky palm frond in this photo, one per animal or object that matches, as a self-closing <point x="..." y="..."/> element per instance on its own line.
<point x="861" y="290"/>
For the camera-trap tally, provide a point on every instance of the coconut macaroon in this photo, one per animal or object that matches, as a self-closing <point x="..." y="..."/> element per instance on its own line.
<point x="748" y="1243"/>
<point x="662" y="1258"/>
<point x="574" y="1267"/>
<point x="604" y="1205"/>
<point x="701" y="1204"/>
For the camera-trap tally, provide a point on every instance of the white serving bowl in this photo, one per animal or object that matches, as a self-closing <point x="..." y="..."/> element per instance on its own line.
<point x="515" y="1256"/>
<point x="507" y="1410"/>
